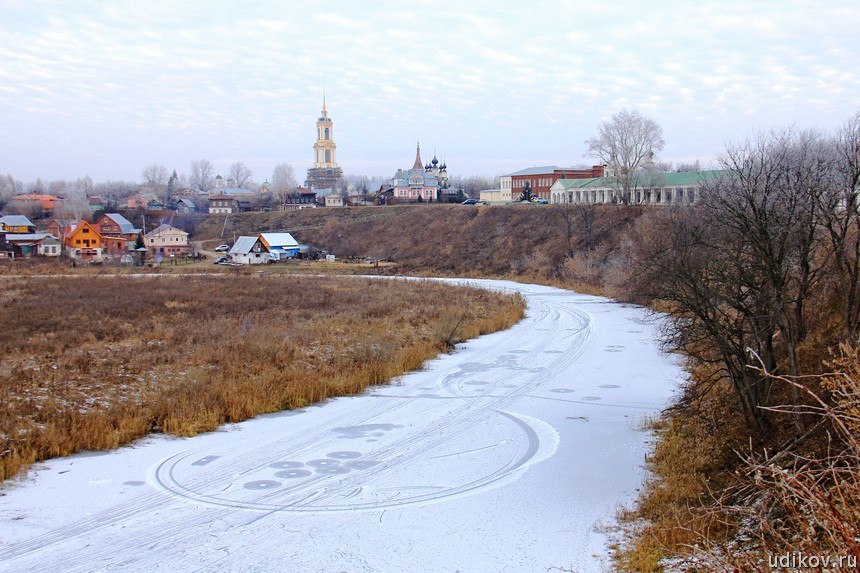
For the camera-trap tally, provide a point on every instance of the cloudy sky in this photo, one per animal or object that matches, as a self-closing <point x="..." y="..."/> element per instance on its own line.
<point x="106" y="88"/>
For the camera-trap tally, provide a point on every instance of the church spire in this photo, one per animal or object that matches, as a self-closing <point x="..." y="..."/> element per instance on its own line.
<point x="324" y="112"/>
<point x="418" y="164"/>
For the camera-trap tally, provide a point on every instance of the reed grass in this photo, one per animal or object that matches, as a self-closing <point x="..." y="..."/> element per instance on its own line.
<point x="91" y="363"/>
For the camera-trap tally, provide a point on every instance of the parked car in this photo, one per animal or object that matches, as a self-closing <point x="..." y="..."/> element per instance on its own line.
<point x="222" y="248"/>
<point x="540" y="202"/>
<point x="221" y="260"/>
<point x="470" y="202"/>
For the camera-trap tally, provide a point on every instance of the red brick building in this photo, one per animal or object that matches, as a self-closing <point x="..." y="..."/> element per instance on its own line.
<point x="542" y="178"/>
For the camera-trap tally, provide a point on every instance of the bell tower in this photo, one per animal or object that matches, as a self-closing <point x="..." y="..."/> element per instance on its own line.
<point x="325" y="147"/>
<point x="325" y="174"/>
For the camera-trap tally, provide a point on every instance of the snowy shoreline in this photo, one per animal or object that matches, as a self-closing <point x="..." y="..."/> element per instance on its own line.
<point x="511" y="453"/>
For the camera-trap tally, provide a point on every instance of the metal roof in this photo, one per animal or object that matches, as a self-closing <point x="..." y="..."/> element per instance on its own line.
<point x="545" y="170"/>
<point x="676" y="179"/>
<point x="163" y="228"/>
<point x="124" y="224"/>
<point x="29" y="237"/>
<point x="16" y="221"/>
<point x="243" y="246"/>
<point x="235" y="191"/>
<point x="285" y="240"/>
<point x="576" y="183"/>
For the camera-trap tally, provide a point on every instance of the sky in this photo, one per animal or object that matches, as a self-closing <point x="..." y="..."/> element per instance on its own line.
<point x="106" y="88"/>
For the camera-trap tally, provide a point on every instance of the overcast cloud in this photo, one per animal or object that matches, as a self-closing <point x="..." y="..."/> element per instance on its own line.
<point x="105" y="88"/>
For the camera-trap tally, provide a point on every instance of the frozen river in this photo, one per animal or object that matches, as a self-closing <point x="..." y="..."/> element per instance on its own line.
<point x="511" y="454"/>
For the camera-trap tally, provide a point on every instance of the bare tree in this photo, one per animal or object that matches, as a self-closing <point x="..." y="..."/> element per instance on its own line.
<point x="839" y="216"/>
<point x="113" y="193"/>
<point x="154" y="174"/>
<point x="669" y="167"/>
<point x="201" y="174"/>
<point x="627" y="145"/>
<point x="76" y="202"/>
<point x="37" y="186"/>
<point x="240" y="173"/>
<point x="744" y="270"/>
<point x="471" y="185"/>
<point x="30" y="208"/>
<point x="283" y="181"/>
<point x="7" y="189"/>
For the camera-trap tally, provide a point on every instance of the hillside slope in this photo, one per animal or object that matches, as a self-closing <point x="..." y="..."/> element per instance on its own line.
<point x="545" y="242"/>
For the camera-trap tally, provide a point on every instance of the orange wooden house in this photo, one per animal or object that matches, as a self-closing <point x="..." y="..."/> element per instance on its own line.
<point x="83" y="241"/>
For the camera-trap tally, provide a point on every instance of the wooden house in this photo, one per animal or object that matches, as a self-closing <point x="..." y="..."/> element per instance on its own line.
<point x="118" y="232"/>
<point x="83" y="241"/>
<point x="16" y="224"/>
<point x="59" y="228"/>
<point x="249" y="251"/>
<point x="166" y="240"/>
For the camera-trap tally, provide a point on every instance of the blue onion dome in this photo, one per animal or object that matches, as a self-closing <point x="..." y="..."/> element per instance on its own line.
<point x="435" y="161"/>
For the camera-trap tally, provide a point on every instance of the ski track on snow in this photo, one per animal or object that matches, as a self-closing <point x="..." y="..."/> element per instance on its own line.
<point x="479" y="462"/>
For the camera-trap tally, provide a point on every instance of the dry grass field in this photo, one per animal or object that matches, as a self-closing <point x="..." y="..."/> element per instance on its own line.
<point x="91" y="363"/>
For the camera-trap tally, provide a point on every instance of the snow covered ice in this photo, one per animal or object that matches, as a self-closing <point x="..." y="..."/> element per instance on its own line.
<point x="510" y="454"/>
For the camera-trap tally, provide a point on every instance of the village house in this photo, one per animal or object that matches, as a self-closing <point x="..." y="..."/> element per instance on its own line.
<point x="115" y="225"/>
<point x="16" y="224"/>
<point x="155" y="205"/>
<point x="59" y="228"/>
<point x="166" y="240"/>
<point x="249" y="251"/>
<point x="118" y="234"/>
<point x="34" y="202"/>
<point x="136" y="202"/>
<point x="281" y="244"/>
<point x="95" y="204"/>
<point x="184" y="206"/>
<point x="28" y="244"/>
<point x="223" y="203"/>
<point x="300" y="198"/>
<point x="335" y="200"/>
<point x="83" y="241"/>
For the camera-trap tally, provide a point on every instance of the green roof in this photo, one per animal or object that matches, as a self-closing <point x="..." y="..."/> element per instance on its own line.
<point x="676" y="179"/>
<point x="577" y="183"/>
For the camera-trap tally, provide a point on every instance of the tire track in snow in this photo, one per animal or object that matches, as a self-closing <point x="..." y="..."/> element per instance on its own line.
<point x="549" y="325"/>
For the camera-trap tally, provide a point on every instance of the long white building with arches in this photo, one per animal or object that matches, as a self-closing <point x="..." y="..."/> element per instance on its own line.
<point x="679" y="188"/>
